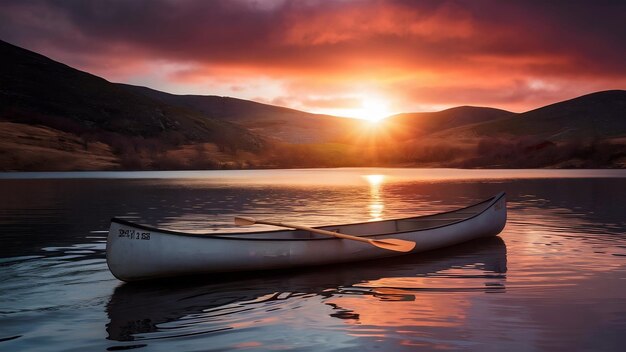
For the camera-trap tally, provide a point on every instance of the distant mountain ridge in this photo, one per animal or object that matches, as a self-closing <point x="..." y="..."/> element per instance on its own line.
<point x="283" y="124"/>
<point x="294" y="126"/>
<point x="214" y="106"/>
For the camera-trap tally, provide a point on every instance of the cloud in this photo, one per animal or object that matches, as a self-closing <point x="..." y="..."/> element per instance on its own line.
<point x="420" y="52"/>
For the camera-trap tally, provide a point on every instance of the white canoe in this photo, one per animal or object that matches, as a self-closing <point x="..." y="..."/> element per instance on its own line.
<point x="138" y="252"/>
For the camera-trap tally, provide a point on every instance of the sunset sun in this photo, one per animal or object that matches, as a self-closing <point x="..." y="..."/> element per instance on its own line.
<point x="373" y="110"/>
<point x="370" y="108"/>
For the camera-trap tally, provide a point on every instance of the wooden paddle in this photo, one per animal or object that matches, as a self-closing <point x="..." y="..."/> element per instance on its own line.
<point x="391" y="244"/>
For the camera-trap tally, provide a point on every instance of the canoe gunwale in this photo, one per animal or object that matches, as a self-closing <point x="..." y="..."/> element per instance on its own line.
<point x="232" y="236"/>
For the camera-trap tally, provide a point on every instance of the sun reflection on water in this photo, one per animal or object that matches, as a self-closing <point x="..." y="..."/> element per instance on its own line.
<point x="376" y="205"/>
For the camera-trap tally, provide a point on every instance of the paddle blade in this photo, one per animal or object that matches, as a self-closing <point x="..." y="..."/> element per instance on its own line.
<point x="393" y="244"/>
<point x="244" y="221"/>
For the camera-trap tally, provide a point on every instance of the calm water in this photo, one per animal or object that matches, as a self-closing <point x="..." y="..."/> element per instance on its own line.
<point x="554" y="280"/>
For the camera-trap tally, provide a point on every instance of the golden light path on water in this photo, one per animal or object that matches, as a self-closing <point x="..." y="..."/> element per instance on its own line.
<point x="376" y="205"/>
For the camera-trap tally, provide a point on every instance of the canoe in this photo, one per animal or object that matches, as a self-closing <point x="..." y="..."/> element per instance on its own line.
<point x="138" y="252"/>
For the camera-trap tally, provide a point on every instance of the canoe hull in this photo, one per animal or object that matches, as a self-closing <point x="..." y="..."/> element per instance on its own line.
<point x="135" y="252"/>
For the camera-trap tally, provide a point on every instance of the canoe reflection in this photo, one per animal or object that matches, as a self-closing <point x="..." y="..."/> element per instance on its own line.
<point x="154" y="310"/>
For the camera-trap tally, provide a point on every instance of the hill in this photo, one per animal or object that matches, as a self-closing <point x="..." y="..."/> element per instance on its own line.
<point x="54" y="117"/>
<point x="597" y="116"/>
<point x="585" y="132"/>
<point x="282" y="124"/>
<point x="39" y="91"/>
<point x="424" y="123"/>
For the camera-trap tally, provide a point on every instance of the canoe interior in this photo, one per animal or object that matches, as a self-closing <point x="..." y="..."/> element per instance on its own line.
<point x="373" y="228"/>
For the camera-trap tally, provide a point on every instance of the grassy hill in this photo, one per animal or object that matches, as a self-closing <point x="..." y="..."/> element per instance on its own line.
<point x="587" y="131"/>
<point x="600" y="115"/>
<point x="38" y="91"/>
<point x="279" y="123"/>
<point x="26" y="147"/>
<point x="424" y="123"/>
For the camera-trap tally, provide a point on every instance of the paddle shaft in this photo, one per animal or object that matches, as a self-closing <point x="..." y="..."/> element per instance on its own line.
<point x="310" y="229"/>
<point x="392" y="244"/>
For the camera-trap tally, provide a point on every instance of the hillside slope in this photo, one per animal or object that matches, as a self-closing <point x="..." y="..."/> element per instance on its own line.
<point x="423" y="123"/>
<point x="39" y="148"/>
<point x="283" y="124"/>
<point x="38" y="90"/>
<point x="595" y="116"/>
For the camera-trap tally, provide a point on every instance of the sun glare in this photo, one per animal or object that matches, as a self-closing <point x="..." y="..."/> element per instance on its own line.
<point x="372" y="110"/>
<point x="374" y="180"/>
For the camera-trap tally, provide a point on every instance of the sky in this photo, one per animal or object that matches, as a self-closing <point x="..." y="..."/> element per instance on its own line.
<point x="355" y="58"/>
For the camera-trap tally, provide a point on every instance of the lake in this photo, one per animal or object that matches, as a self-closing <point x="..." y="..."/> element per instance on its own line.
<point x="555" y="279"/>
